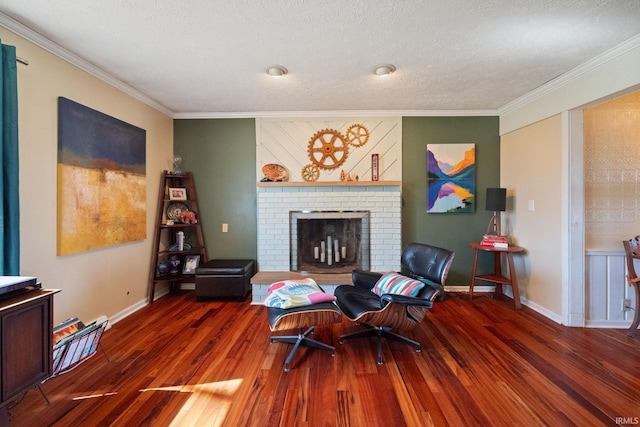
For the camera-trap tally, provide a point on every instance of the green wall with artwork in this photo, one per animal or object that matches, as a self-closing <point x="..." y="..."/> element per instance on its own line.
<point x="450" y="230"/>
<point x="221" y="155"/>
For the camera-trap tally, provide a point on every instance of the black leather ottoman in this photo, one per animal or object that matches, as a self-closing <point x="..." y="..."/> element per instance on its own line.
<point x="224" y="278"/>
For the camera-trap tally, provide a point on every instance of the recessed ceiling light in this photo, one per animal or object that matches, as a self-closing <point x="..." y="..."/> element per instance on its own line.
<point x="277" y="71"/>
<point x="384" y="69"/>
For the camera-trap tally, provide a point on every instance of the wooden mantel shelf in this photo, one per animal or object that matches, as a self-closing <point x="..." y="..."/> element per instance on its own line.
<point x="329" y="184"/>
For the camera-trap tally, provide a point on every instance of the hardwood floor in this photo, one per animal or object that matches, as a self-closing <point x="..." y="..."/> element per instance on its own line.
<point x="183" y="363"/>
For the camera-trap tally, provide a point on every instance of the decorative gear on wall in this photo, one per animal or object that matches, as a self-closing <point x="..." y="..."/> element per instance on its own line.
<point x="328" y="149"/>
<point x="357" y="135"/>
<point x="310" y="172"/>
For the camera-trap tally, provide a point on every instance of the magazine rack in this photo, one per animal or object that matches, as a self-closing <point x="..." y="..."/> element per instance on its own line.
<point x="75" y="342"/>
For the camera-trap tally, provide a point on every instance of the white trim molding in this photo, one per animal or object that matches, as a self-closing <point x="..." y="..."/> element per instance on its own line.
<point x="613" y="72"/>
<point x="57" y="50"/>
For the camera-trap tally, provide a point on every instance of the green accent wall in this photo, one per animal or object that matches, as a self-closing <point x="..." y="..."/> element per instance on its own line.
<point x="221" y="154"/>
<point x="449" y="230"/>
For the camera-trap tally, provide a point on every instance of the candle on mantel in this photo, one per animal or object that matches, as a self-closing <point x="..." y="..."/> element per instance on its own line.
<point x="344" y="252"/>
<point x="316" y="252"/>
<point x="322" y="251"/>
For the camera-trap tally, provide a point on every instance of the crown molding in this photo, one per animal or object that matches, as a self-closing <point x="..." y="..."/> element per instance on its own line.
<point x="337" y="113"/>
<point x="572" y="75"/>
<point x="57" y="50"/>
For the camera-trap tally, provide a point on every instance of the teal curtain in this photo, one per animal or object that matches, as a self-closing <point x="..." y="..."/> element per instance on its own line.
<point x="10" y="201"/>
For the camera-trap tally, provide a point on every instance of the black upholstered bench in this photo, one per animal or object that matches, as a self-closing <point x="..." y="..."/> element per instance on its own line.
<point x="224" y="278"/>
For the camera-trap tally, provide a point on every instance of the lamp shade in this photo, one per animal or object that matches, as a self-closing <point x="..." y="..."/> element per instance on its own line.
<point x="496" y="199"/>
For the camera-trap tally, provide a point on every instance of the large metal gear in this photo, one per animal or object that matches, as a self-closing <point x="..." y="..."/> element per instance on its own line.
<point x="310" y="172"/>
<point x="357" y="135"/>
<point x="328" y="149"/>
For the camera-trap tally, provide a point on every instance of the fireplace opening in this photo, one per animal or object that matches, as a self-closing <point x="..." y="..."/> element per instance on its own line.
<point x="329" y="241"/>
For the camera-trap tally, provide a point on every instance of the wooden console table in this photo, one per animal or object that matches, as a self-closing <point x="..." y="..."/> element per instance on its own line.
<point x="497" y="276"/>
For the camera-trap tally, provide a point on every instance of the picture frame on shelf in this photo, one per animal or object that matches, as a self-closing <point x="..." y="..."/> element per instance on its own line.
<point x="191" y="263"/>
<point x="177" y="193"/>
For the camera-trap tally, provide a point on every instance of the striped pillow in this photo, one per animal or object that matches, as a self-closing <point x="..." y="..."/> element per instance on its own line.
<point x="394" y="283"/>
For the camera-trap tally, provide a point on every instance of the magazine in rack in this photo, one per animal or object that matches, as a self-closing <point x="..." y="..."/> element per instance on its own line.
<point x="75" y="342"/>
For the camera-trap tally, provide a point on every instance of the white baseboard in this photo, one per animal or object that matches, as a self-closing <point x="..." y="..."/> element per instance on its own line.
<point x="465" y="289"/>
<point x="142" y="303"/>
<point x="608" y="324"/>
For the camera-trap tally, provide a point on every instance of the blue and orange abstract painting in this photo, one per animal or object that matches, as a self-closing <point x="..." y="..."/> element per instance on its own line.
<point x="102" y="184"/>
<point x="451" y="176"/>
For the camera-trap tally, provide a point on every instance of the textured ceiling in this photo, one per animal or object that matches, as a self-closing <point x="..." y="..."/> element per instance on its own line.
<point x="210" y="56"/>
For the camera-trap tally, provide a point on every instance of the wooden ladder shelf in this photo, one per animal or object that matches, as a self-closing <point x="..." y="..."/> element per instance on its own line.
<point x="169" y="263"/>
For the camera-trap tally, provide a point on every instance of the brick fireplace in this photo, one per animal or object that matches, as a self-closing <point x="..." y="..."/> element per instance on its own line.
<point x="276" y="201"/>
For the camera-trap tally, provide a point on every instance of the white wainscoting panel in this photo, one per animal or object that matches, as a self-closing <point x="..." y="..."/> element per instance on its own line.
<point x="606" y="287"/>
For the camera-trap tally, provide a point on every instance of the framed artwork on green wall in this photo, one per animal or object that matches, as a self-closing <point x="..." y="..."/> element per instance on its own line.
<point x="451" y="170"/>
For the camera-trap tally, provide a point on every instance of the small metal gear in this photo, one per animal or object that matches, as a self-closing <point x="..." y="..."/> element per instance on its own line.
<point x="357" y="135"/>
<point x="310" y="172"/>
<point x="328" y="149"/>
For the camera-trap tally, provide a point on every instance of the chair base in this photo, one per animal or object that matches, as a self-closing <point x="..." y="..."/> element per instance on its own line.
<point x="301" y="339"/>
<point x="381" y="332"/>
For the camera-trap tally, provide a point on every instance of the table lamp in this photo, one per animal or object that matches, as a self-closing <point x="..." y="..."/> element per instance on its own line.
<point x="496" y="202"/>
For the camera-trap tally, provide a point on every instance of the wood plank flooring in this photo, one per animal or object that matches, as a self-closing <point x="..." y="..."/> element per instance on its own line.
<point x="183" y="363"/>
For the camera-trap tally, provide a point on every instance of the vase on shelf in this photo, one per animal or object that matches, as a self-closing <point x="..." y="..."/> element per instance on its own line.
<point x="174" y="263"/>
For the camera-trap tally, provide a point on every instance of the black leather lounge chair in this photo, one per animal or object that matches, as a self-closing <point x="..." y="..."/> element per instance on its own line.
<point x="382" y="314"/>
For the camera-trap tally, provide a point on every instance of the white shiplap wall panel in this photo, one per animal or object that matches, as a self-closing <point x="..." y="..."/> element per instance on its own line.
<point x="286" y="141"/>
<point x="606" y="286"/>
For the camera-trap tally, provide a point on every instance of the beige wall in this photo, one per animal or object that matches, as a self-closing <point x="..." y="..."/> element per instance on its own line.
<point x="531" y="169"/>
<point x="110" y="281"/>
<point x="611" y="172"/>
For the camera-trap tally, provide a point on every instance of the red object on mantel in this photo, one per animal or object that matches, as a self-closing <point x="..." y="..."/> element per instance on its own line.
<point x="375" y="167"/>
<point x="495" y="241"/>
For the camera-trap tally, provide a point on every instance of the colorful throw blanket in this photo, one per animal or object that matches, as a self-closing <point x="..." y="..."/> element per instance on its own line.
<point x="295" y="293"/>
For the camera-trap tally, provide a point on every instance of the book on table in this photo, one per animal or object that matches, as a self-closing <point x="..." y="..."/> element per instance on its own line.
<point x="494" y="241"/>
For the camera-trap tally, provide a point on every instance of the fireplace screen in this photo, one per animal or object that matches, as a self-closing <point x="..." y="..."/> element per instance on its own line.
<point x="329" y="241"/>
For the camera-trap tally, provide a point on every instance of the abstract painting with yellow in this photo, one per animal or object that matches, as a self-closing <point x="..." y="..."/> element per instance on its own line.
<point x="101" y="180"/>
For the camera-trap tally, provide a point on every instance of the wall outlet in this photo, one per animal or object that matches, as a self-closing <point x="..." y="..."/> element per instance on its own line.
<point x="626" y="304"/>
<point x="225" y="228"/>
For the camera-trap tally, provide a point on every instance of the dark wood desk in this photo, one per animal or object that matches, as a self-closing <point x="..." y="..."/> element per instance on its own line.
<point x="497" y="276"/>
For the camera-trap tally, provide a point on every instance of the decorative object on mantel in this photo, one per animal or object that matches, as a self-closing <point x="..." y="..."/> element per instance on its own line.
<point x="357" y="135"/>
<point x="275" y="172"/>
<point x="328" y="149"/>
<point x="310" y="172"/>
<point x="375" y="167"/>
